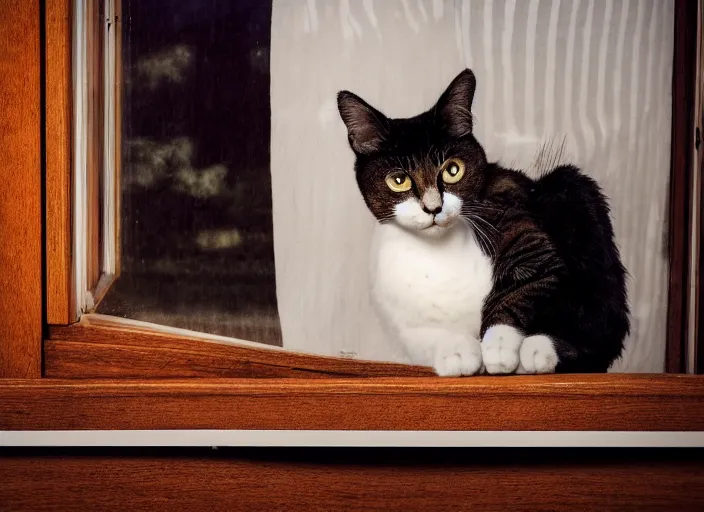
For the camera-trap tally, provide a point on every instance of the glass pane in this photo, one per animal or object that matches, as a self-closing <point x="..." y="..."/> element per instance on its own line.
<point x="196" y="228"/>
<point x="234" y="149"/>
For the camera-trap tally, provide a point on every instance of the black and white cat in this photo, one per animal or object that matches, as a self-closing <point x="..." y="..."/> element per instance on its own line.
<point x="475" y="267"/>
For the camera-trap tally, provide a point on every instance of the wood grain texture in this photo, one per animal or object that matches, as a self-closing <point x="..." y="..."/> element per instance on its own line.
<point x="556" y="402"/>
<point x="95" y="107"/>
<point x="680" y="203"/>
<point x="117" y="26"/>
<point x="83" y="351"/>
<point x="699" y="300"/>
<point x="20" y="193"/>
<point x="351" y="480"/>
<point x="59" y="243"/>
<point x="698" y="226"/>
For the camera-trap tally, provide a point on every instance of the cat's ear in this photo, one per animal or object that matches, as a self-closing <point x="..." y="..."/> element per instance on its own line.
<point x="367" y="128"/>
<point x="454" y="108"/>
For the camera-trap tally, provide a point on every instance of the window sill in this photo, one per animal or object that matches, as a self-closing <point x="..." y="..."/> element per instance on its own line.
<point x="611" y="402"/>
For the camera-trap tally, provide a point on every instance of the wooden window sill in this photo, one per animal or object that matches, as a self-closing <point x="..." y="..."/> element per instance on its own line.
<point x="98" y="377"/>
<point x="611" y="402"/>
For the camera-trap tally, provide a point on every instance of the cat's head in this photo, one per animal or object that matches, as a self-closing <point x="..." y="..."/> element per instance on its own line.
<point x="420" y="171"/>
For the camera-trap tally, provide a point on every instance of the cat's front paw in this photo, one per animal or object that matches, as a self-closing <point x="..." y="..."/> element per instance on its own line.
<point x="500" y="349"/>
<point x="455" y="357"/>
<point x="537" y="355"/>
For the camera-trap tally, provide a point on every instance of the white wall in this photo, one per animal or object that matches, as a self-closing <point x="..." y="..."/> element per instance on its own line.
<point x="596" y="73"/>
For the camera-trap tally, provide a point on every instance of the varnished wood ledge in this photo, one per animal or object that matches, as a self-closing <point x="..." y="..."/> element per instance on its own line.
<point x="557" y="402"/>
<point x="303" y="391"/>
<point x="94" y="351"/>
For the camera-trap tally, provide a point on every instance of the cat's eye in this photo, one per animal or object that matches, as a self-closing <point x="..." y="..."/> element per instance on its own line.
<point x="398" y="182"/>
<point x="453" y="171"/>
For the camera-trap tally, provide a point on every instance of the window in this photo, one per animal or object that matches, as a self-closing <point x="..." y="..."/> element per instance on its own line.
<point x="196" y="245"/>
<point x="104" y="372"/>
<point x="232" y="151"/>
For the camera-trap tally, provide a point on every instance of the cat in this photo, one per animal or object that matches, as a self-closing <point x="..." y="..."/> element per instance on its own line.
<point x="476" y="268"/>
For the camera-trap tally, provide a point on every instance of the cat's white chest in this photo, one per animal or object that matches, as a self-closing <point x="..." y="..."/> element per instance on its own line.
<point x="422" y="282"/>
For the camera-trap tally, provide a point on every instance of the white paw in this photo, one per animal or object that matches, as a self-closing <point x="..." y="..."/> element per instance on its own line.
<point x="457" y="357"/>
<point x="500" y="348"/>
<point x="537" y="355"/>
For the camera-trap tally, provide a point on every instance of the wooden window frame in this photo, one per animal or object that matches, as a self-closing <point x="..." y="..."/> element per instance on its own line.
<point x="60" y="375"/>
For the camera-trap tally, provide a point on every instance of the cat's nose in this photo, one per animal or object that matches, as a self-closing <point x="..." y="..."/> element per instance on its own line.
<point x="431" y="201"/>
<point x="434" y="211"/>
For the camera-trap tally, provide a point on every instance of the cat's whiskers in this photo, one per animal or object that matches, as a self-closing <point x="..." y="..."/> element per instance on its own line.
<point x="482" y="207"/>
<point x="484" y="221"/>
<point x="475" y="229"/>
<point x="488" y="239"/>
<point x="477" y="213"/>
<point x="482" y="237"/>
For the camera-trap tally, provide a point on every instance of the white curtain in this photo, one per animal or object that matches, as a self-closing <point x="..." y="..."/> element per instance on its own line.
<point x="594" y="74"/>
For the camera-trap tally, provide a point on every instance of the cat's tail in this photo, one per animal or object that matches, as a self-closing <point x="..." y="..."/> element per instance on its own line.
<point x="572" y="209"/>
